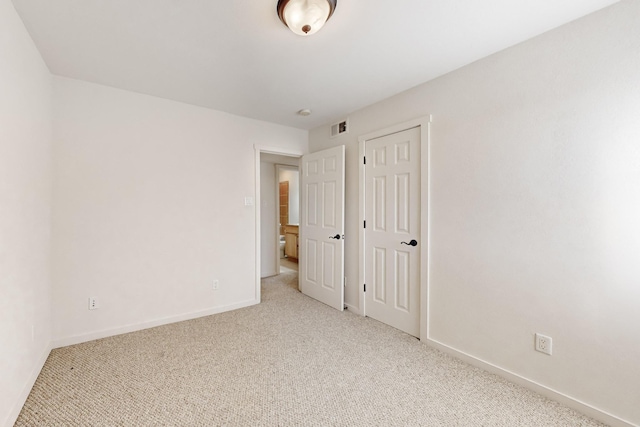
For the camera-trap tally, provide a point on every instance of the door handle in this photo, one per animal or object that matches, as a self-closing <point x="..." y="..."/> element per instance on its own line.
<point x="337" y="237"/>
<point x="411" y="243"/>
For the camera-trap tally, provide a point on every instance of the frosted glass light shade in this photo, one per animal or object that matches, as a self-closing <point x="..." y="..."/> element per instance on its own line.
<point x="305" y="17"/>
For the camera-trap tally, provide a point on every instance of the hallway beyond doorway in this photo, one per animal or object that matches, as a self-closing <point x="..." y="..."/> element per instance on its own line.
<point x="287" y="266"/>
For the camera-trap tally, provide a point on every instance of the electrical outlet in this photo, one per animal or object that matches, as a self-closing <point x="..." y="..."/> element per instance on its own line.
<point x="216" y="285"/>
<point x="544" y="344"/>
<point x="93" y="303"/>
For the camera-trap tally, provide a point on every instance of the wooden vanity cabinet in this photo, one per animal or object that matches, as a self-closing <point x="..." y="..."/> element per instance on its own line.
<point x="291" y="242"/>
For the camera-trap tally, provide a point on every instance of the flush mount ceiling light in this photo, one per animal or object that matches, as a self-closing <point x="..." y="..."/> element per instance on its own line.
<point x="305" y="17"/>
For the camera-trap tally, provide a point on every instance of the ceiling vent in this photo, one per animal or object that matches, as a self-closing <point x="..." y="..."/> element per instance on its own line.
<point x="340" y="128"/>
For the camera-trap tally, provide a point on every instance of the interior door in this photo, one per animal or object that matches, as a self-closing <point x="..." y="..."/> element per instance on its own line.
<point x="322" y="226"/>
<point x="392" y="212"/>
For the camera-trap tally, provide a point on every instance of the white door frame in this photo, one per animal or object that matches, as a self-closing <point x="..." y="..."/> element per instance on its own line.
<point x="259" y="149"/>
<point x="423" y="123"/>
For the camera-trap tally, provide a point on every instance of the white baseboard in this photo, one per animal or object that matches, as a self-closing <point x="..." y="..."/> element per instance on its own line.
<point x="269" y="273"/>
<point x="353" y="309"/>
<point x="566" y="400"/>
<point x="24" y="394"/>
<point x="569" y="401"/>
<point x="77" y="339"/>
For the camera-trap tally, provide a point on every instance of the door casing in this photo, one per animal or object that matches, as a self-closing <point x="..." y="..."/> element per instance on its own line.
<point x="424" y="124"/>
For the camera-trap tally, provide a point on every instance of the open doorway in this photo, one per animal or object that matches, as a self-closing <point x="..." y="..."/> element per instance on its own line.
<point x="279" y="213"/>
<point x="288" y="216"/>
<point x="321" y="259"/>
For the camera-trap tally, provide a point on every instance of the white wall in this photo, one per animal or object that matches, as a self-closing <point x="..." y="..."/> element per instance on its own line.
<point x="268" y="219"/>
<point x="25" y="203"/>
<point x="535" y="200"/>
<point x="149" y="209"/>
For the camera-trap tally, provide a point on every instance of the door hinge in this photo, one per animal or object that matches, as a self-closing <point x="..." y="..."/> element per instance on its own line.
<point x="365" y="160"/>
<point x="365" y="287"/>
<point x="365" y="223"/>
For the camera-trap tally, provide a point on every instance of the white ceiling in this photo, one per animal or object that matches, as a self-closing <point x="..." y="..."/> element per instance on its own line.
<point x="236" y="56"/>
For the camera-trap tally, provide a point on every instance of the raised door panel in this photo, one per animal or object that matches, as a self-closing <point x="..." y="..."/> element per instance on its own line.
<point x="321" y="254"/>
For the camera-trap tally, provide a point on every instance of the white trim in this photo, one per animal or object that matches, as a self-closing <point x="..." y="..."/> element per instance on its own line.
<point x="77" y="339"/>
<point x="582" y="407"/>
<point x="425" y="224"/>
<point x="353" y="309"/>
<point x="424" y="123"/>
<point x="258" y="207"/>
<point x="24" y="394"/>
<point x="277" y="191"/>
<point x="278" y="151"/>
<point x="361" y="233"/>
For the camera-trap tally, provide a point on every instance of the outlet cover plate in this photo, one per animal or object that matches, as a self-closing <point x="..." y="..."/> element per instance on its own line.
<point x="544" y="344"/>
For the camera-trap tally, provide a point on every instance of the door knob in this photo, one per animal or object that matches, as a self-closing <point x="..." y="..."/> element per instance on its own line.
<point x="337" y="237"/>
<point x="411" y="243"/>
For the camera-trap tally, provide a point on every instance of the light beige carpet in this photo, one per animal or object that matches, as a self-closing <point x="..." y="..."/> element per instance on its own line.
<point x="289" y="361"/>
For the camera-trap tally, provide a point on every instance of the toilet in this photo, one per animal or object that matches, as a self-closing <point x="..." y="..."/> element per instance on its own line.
<point x="281" y="246"/>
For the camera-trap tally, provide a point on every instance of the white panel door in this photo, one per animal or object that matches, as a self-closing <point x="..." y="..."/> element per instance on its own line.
<point x="392" y="213"/>
<point x="321" y="242"/>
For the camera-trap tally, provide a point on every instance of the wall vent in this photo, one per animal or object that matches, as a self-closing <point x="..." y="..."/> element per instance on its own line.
<point x="340" y="128"/>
